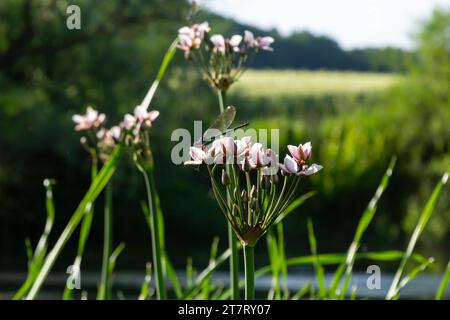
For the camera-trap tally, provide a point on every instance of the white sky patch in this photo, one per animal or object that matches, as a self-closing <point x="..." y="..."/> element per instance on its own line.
<point x="353" y="23"/>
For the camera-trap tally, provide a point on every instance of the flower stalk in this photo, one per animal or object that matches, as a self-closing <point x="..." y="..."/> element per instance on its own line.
<point x="232" y="240"/>
<point x="104" y="291"/>
<point x="249" y="264"/>
<point x="155" y="234"/>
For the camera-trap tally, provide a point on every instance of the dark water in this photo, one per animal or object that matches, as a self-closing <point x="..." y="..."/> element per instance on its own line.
<point x="127" y="285"/>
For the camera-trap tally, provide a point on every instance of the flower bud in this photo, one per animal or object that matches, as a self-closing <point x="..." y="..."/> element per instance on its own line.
<point x="244" y="196"/>
<point x="253" y="194"/>
<point x="225" y="178"/>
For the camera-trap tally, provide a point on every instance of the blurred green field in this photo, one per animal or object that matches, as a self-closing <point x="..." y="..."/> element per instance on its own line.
<point x="291" y="83"/>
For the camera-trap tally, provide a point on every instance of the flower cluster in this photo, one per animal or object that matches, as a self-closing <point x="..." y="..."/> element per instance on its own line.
<point x="259" y="200"/>
<point x="136" y="123"/>
<point x="220" y="60"/>
<point x="136" y="135"/>
<point x="92" y="119"/>
<point x="99" y="140"/>
<point x="296" y="163"/>
<point x="253" y="156"/>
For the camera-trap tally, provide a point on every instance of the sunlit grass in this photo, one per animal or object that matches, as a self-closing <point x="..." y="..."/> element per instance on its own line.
<point x="275" y="83"/>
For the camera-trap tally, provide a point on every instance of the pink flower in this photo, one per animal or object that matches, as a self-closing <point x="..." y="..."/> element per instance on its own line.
<point x="91" y="119"/>
<point x="191" y="37"/>
<point x="185" y="44"/>
<point x="142" y="119"/>
<point x="115" y="132"/>
<point x="128" y="122"/>
<point x="201" y="155"/>
<point x="234" y="42"/>
<point x="242" y="147"/>
<point x="290" y="166"/>
<point x="257" y="158"/>
<point x="109" y="137"/>
<point x="186" y="31"/>
<point x="223" y="149"/>
<point x="197" y="155"/>
<point x="301" y="153"/>
<point x="218" y="42"/>
<point x="201" y="29"/>
<point x="143" y="116"/>
<point x="309" y="170"/>
<point x="264" y="43"/>
<point x="249" y="38"/>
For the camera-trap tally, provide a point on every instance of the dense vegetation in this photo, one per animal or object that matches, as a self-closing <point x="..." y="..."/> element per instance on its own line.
<point x="304" y="50"/>
<point x="48" y="73"/>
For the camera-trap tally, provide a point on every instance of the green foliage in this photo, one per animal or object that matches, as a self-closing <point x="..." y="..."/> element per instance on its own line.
<point x="356" y="122"/>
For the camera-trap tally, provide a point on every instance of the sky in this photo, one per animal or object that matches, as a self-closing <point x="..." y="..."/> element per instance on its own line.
<point x="353" y="23"/>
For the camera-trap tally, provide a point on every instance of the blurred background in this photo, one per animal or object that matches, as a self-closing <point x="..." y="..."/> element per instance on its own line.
<point x="362" y="81"/>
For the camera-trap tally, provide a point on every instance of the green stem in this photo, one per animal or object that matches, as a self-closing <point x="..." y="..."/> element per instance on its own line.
<point x="234" y="267"/>
<point x="234" y="262"/>
<point x="222" y="96"/>
<point x="155" y="234"/>
<point x="104" y="291"/>
<point x="249" y="259"/>
<point x="84" y="232"/>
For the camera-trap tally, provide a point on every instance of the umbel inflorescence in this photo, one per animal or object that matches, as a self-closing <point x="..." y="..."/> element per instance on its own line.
<point x="100" y="141"/>
<point x="220" y="60"/>
<point x="258" y="187"/>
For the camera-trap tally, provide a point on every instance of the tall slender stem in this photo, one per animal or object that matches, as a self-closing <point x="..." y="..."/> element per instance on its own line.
<point x="222" y="97"/>
<point x="155" y="234"/>
<point x="249" y="260"/>
<point x="104" y="291"/>
<point x="234" y="266"/>
<point x="234" y="262"/>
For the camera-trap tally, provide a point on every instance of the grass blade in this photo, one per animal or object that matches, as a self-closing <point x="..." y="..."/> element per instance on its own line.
<point x="212" y="257"/>
<point x="303" y="291"/>
<point x="444" y="283"/>
<point x="112" y="261"/>
<point x="272" y="248"/>
<point x="320" y="275"/>
<point x="282" y="257"/>
<point x="173" y="277"/>
<point x="104" y="290"/>
<point x="35" y="259"/>
<point x="145" y="288"/>
<point x="336" y="258"/>
<point x="423" y="219"/>
<point x="414" y="272"/>
<point x="206" y="273"/>
<point x="168" y="56"/>
<point x="84" y="234"/>
<point x="363" y="224"/>
<point x="94" y="190"/>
